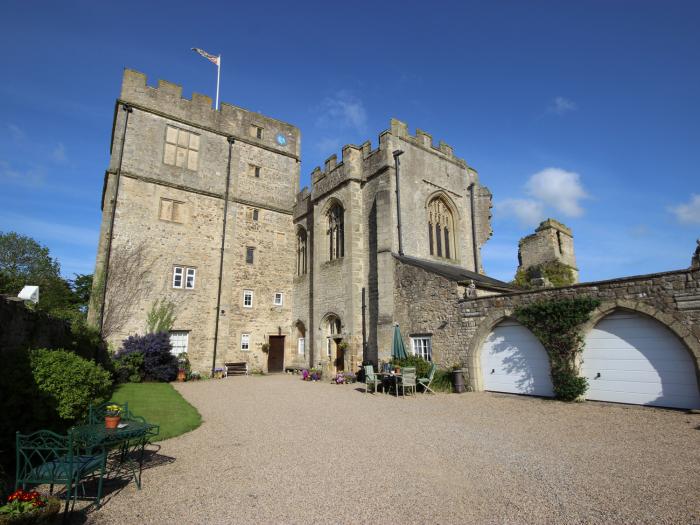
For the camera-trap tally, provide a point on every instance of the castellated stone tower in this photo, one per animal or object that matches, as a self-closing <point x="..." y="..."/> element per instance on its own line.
<point x="197" y="210"/>
<point x="551" y="242"/>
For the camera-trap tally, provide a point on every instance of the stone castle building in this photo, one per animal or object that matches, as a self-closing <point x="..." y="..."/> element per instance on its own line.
<point x="202" y="207"/>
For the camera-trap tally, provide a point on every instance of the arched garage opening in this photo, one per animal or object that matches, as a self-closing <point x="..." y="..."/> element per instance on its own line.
<point x="514" y="361"/>
<point x="632" y="358"/>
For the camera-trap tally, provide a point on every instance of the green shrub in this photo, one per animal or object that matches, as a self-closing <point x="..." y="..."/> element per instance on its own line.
<point x="558" y="273"/>
<point x="130" y="368"/>
<point x="421" y="365"/>
<point x="442" y="381"/>
<point x="568" y="386"/>
<point x="70" y="381"/>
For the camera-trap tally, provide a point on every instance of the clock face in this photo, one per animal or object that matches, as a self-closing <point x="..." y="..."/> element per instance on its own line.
<point x="281" y="139"/>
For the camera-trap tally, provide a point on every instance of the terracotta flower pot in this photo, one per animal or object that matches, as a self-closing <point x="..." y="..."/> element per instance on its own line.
<point x="180" y="375"/>
<point x="112" y="421"/>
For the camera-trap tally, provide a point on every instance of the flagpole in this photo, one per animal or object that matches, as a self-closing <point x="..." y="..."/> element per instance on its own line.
<point x="218" y="76"/>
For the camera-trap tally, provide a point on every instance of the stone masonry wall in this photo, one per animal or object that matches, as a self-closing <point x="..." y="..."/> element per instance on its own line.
<point x="434" y="305"/>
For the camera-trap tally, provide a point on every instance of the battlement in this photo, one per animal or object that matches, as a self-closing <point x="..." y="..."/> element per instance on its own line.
<point x="423" y="140"/>
<point x="167" y="99"/>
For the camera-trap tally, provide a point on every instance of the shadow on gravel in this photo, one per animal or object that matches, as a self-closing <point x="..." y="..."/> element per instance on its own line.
<point x="111" y="486"/>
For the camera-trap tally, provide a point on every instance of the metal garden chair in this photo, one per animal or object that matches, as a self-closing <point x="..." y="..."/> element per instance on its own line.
<point x="408" y="380"/>
<point x="371" y="378"/>
<point x="44" y="457"/>
<point x="425" y="382"/>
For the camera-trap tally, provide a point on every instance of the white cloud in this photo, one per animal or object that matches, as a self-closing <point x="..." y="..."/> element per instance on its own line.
<point x="559" y="189"/>
<point x="343" y="110"/>
<point x="688" y="213"/>
<point x="59" y="153"/>
<point x="528" y="212"/>
<point x="561" y="106"/>
<point x="32" y="177"/>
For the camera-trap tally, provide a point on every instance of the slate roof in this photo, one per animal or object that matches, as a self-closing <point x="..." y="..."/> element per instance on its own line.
<point x="456" y="273"/>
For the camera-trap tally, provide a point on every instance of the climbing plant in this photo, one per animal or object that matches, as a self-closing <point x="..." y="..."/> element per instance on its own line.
<point x="557" y="324"/>
<point x="557" y="273"/>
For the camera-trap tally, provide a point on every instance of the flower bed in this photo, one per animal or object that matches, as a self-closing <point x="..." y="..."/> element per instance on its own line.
<point x="29" y="507"/>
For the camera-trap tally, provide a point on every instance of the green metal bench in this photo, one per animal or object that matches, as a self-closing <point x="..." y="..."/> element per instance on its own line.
<point x="44" y="457"/>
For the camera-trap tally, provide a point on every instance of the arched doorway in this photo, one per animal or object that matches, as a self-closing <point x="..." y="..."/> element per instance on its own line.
<point x="513" y="360"/>
<point x="334" y="350"/>
<point x="631" y="358"/>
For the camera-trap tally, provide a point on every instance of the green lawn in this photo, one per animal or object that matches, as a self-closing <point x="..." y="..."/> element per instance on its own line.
<point x="161" y="404"/>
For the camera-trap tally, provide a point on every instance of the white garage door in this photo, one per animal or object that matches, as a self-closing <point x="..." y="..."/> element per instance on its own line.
<point x="630" y="358"/>
<point x="513" y="360"/>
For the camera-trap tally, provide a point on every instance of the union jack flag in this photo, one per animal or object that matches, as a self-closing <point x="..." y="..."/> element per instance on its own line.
<point x="212" y="58"/>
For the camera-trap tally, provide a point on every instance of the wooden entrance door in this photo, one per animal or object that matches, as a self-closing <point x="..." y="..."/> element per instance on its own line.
<point x="275" y="356"/>
<point x="339" y="359"/>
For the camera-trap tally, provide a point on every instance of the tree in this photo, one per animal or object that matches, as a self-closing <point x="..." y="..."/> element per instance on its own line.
<point x="128" y="284"/>
<point x="23" y="261"/>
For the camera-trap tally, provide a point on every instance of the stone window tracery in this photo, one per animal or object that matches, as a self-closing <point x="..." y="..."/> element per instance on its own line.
<point x="441" y="229"/>
<point x="336" y="232"/>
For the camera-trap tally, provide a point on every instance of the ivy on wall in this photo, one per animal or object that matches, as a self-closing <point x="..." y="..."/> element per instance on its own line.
<point x="557" y="324"/>
<point x="558" y="273"/>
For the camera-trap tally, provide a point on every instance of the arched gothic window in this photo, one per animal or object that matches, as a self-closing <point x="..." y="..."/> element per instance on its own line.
<point x="441" y="229"/>
<point x="301" y="251"/>
<point x="336" y="233"/>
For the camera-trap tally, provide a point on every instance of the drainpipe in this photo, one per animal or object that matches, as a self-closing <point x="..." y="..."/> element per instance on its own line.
<point x="221" y="257"/>
<point x="397" y="153"/>
<point x="128" y="109"/>
<point x="473" y="213"/>
<point x="364" y="327"/>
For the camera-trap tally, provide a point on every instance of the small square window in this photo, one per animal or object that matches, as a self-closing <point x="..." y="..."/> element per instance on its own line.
<point x="257" y="171"/>
<point x="422" y="347"/>
<point x="256" y="131"/>
<point x="256" y="214"/>
<point x="249" y="252"/>
<point x="245" y="342"/>
<point x="177" y="276"/>
<point x="279" y="299"/>
<point x="171" y="210"/>
<point x="248" y="298"/>
<point x="178" y="342"/>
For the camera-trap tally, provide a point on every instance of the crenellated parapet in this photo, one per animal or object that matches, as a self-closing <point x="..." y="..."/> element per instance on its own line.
<point x="166" y="98"/>
<point x="302" y="204"/>
<point x="423" y="140"/>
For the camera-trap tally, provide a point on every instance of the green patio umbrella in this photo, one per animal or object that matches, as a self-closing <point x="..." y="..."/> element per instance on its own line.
<point x="398" y="350"/>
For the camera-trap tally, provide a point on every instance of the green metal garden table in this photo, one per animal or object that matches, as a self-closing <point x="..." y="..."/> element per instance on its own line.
<point x="128" y="440"/>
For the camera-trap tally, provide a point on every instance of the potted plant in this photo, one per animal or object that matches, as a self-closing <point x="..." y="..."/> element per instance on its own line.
<point x="183" y="367"/>
<point x="25" y="507"/>
<point x="265" y="347"/>
<point x="113" y="414"/>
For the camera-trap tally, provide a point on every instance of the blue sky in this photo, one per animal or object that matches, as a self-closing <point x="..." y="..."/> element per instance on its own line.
<point x="588" y="112"/>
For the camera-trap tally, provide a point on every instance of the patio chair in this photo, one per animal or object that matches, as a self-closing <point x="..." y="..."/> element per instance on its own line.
<point x="425" y="382"/>
<point x="44" y="457"/>
<point x="371" y="378"/>
<point x="408" y="380"/>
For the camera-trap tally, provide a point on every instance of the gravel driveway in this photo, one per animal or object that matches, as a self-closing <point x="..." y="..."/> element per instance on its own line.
<point x="275" y="449"/>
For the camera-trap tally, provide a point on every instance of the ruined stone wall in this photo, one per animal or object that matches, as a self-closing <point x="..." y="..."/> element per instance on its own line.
<point x="552" y="241"/>
<point x="428" y="303"/>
